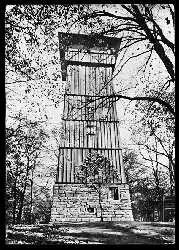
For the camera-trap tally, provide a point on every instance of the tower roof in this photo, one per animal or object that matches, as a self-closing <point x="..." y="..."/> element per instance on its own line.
<point x="92" y="41"/>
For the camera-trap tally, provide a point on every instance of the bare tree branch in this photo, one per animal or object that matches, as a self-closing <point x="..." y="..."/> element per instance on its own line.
<point x="157" y="46"/>
<point x="147" y="98"/>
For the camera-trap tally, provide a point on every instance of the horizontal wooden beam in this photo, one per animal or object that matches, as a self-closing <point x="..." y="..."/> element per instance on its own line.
<point x="89" y="64"/>
<point x="90" y="148"/>
<point x="89" y="96"/>
<point x="80" y="120"/>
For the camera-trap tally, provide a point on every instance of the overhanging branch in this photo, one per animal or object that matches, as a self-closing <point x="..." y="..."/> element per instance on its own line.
<point x="145" y="98"/>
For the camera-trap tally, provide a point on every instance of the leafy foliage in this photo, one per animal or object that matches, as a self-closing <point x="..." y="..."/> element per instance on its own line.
<point x="147" y="186"/>
<point x="96" y="169"/>
<point x="23" y="149"/>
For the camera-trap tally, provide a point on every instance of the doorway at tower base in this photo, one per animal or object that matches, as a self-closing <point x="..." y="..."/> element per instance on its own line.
<point x="76" y="202"/>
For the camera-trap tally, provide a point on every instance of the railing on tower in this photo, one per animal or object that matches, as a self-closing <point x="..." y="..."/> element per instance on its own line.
<point x="89" y="117"/>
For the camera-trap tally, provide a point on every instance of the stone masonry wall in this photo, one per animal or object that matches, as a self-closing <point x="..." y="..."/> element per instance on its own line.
<point x="76" y="202"/>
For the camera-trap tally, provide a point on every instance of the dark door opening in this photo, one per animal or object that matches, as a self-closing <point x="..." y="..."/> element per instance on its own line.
<point x="114" y="193"/>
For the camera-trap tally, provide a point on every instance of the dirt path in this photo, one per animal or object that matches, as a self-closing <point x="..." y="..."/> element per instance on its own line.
<point x="93" y="233"/>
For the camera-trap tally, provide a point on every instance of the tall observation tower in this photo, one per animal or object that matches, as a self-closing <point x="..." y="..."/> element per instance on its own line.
<point x="90" y="124"/>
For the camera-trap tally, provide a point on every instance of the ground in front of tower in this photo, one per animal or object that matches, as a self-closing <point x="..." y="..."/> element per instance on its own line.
<point x="92" y="233"/>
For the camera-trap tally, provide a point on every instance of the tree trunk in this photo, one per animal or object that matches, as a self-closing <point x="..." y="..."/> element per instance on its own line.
<point x="31" y="201"/>
<point x="171" y="174"/>
<point x="101" y="208"/>
<point x="31" y="191"/>
<point x="14" y="204"/>
<point x="19" y="215"/>
<point x="15" y="196"/>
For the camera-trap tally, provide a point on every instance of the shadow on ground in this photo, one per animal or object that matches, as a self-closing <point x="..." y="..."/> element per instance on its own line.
<point x="93" y="233"/>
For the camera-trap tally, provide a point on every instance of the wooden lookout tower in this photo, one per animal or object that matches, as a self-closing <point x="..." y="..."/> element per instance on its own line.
<point x="90" y="124"/>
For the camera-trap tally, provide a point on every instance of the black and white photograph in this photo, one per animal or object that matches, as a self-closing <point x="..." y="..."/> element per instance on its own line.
<point x="90" y="124"/>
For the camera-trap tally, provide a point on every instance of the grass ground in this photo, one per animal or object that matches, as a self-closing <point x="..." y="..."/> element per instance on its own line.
<point x="92" y="233"/>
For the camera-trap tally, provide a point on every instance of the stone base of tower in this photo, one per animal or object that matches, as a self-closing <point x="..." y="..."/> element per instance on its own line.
<point x="76" y="202"/>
